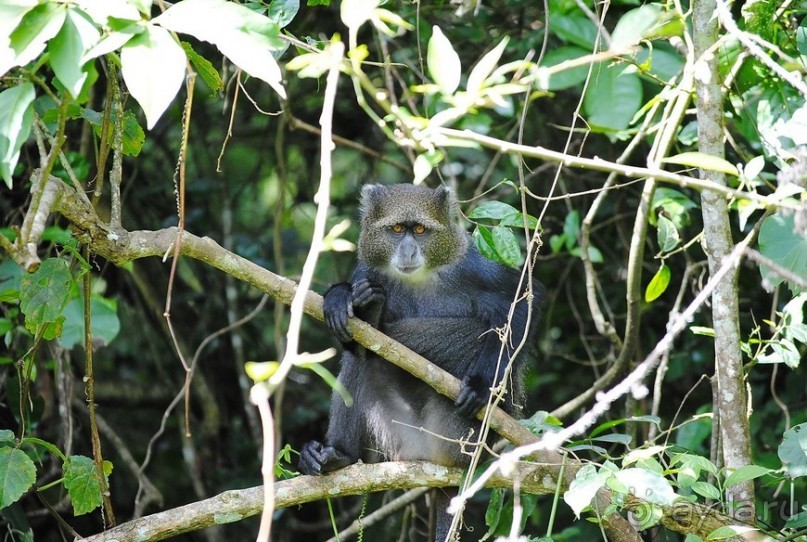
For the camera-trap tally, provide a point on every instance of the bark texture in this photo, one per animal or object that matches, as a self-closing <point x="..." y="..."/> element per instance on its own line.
<point x="729" y="391"/>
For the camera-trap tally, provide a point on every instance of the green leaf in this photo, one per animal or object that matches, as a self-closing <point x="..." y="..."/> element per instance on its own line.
<point x="567" y="78"/>
<point x="797" y="521"/>
<point x="516" y="220"/>
<point x="153" y="67"/>
<point x="245" y="37"/>
<point x="730" y="531"/>
<point x="17" y="475"/>
<point x="668" y="237"/>
<point x="661" y="62"/>
<point x="793" y="451"/>
<point x="575" y="29"/>
<point x="11" y="13"/>
<point x="204" y="68"/>
<point x="707" y="490"/>
<point x="113" y="41"/>
<point x="675" y="204"/>
<point x="793" y="314"/>
<point x="52" y="448"/>
<point x="779" y="242"/>
<point x="783" y="351"/>
<point x="443" y="62"/>
<point x="801" y="37"/>
<point x="44" y="293"/>
<point x="283" y="11"/>
<point x="82" y="484"/>
<point x="617" y="438"/>
<point x="703" y="161"/>
<point x="658" y="284"/>
<point x="571" y="228"/>
<point x="133" y="135"/>
<point x="483" y="239"/>
<point x="105" y="324"/>
<point x="507" y="246"/>
<point x="492" y="210"/>
<point x="35" y="29"/>
<point x="16" y="119"/>
<point x="585" y="485"/>
<point x="647" y="485"/>
<point x="556" y="243"/>
<point x="635" y="25"/>
<point x="605" y="426"/>
<point x="745" y="473"/>
<point x="494" y="512"/>
<point x="68" y="47"/>
<point x="613" y="98"/>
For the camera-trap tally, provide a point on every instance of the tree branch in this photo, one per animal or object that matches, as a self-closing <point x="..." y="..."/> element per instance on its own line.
<point x="358" y="479"/>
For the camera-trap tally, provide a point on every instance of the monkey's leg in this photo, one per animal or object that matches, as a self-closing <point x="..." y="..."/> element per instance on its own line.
<point x="442" y="498"/>
<point x="346" y="434"/>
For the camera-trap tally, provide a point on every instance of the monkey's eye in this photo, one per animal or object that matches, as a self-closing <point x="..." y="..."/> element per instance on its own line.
<point x="398" y="228"/>
<point x="419" y="229"/>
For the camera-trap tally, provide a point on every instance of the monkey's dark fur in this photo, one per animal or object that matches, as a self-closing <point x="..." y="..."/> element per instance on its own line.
<point x="421" y="281"/>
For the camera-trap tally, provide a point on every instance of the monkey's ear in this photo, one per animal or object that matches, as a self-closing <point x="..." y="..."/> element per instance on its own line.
<point x="444" y="197"/>
<point x="368" y="189"/>
<point x="369" y="198"/>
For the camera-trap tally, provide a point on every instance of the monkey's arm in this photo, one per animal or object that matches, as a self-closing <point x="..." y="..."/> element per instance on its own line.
<point x="317" y="458"/>
<point x="497" y="287"/>
<point x="360" y="297"/>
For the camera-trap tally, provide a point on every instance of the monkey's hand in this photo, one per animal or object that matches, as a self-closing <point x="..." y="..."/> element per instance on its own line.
<point x="473" y="395"/>
<point x="341" y="299"/>
<point x="369" y="298"/>
<point x="338" y="308"/>
<point x="316" y="459"/>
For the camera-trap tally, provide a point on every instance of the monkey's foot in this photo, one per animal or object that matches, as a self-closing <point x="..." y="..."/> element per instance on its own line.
<point x="316" y="458"/>
<point x="473" y="396"/>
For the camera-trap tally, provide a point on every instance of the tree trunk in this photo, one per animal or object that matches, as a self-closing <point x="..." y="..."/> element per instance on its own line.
<point x="729" y="391"/>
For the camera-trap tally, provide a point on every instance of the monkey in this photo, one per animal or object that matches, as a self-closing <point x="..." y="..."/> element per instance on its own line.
<point x="421" y="281"/>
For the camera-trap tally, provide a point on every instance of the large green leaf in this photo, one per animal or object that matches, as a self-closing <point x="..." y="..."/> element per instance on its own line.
<point x="44" y="293"/>
<point x="17" y="475"/>
<point x="35" y="29"/>
<point x="283" y="11"/>
<point x="780" y="243"/>
<point x="82" y="484"/>
<point x="585" y="485"/>
<point x="68" y="47"/>
<point x="105" y="324"/>
<point x="566" y="78"/>
<point x="745" y="473"/>
<point x="613" y="98"/>
<point x="793" y="451"/>
<point x="16" y="118"/>
<point x="634" y="26"/>
<point x="575" y="29"/>
<point x="153" y="67"/>
<point x="245" y="37"/>
<point x="11" y="13"/>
